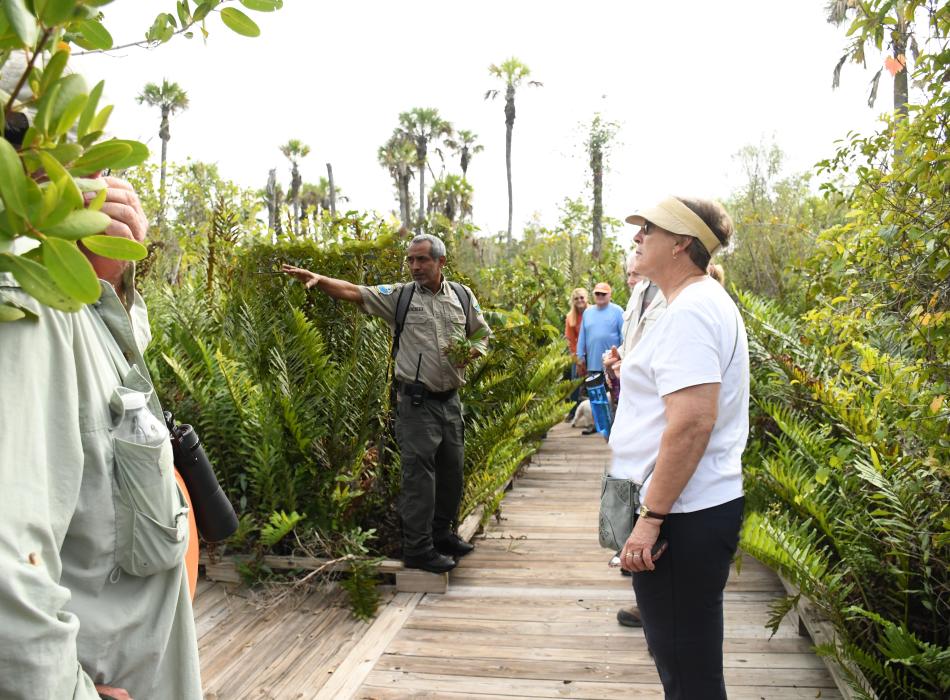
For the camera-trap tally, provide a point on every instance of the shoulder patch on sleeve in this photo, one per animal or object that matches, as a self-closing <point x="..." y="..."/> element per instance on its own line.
<point x="385" y="289"/>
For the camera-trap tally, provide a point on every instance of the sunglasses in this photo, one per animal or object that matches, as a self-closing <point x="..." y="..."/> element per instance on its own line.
<point x="600" y="294"/>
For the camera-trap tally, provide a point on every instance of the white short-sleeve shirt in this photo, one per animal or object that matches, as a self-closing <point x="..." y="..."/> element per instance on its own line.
<point x="699" y="340"/>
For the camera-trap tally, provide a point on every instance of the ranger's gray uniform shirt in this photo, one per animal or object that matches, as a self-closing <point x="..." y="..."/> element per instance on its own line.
<point x="71" y="614"/>
<point x="432" y="322"/>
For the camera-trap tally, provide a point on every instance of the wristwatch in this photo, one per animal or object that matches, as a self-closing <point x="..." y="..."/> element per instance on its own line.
<point x="645" y="512"/>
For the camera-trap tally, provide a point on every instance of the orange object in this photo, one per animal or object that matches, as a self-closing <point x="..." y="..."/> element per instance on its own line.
<point x="895" y="65"/>
<point x="191" y="556"/>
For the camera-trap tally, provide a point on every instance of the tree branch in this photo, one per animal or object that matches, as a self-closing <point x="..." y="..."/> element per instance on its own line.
<point x="8" y="109"/>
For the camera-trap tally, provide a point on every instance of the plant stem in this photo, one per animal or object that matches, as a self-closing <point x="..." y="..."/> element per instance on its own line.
<point x="8" y="109"/>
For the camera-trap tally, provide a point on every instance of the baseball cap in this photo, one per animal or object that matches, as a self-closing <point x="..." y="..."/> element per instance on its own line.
<point x="602" y="287"/>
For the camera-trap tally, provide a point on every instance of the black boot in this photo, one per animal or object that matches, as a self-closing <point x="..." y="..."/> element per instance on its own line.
<point x="452" y="545"/>
<point x="429" y="561"/>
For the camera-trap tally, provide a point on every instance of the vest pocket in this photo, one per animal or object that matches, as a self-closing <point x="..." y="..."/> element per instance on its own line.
<point x="151" y="514"/>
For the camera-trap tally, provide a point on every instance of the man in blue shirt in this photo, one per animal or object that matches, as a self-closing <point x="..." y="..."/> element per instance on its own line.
<point x="601" y="328"/>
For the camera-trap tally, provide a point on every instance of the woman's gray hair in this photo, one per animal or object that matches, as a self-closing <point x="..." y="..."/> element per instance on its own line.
<point x="438" y="247"/>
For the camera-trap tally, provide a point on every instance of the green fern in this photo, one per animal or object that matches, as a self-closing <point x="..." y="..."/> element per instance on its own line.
<point x="279" y="526"/>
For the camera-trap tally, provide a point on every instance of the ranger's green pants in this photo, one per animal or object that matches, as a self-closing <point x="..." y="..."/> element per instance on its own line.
<point x="431" y="445"/>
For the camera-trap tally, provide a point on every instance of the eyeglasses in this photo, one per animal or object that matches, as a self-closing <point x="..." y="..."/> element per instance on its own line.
<point x="600" y="294"/>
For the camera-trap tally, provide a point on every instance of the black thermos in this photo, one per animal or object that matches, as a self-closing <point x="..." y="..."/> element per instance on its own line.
<point x="214" y="513"/>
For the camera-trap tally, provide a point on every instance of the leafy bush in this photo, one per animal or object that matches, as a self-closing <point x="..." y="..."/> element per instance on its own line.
<point x="852" y="465"/>
<point x="289" y="391"/>
<point x="851" y="442"/>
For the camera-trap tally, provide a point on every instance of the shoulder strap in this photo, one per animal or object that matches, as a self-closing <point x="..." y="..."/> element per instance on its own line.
<point x="402" y="308"/>
<point x="465" y="297"/>
<point x="735" y="345"/>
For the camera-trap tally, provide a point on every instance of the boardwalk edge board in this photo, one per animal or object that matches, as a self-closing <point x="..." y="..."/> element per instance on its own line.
<point x="223" y="569"/>
<point x="823" y="632"/>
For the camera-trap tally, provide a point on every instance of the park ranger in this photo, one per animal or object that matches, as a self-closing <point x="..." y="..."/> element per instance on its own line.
<point x="426" y="315"/>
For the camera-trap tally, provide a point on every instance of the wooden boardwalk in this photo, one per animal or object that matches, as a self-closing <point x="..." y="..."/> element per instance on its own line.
<point x="530" y="614"/>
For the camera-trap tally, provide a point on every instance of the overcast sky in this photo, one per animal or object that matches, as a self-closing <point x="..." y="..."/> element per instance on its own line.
<point x="690" y="82"/>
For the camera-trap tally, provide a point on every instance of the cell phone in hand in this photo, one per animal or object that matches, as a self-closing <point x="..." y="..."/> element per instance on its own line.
<point x="656" y="552"/>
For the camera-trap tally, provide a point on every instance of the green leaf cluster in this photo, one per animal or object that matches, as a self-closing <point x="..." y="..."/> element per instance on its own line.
<point x="47" y="168"/>
<point x="189" y="13"/>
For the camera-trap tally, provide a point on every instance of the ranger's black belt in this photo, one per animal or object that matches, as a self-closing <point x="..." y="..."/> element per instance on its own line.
<point x="428" y="393"/>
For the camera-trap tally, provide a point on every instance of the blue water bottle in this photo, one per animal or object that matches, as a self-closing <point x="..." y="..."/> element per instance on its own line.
<point x="599" y="403"/>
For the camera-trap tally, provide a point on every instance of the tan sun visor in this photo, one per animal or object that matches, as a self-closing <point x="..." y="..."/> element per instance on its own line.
<point x="674" y="216"/>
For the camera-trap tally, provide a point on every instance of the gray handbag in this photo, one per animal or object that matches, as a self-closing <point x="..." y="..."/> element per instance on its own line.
<point x="619" y="501"/>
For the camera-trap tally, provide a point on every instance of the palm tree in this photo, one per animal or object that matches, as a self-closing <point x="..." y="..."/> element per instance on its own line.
<point x="512" y="73"/>
<point x="598" y="143"/>
<point x="465" y="144"/>
<point x="451" y="196"/>
<point x="895" y="25"/>
<point x="169" y="98"/>
<point x="316" y="198"/>
<point x="422" y="126"/>
<point x="398" y="155"/>
<point x="293" y="151"/>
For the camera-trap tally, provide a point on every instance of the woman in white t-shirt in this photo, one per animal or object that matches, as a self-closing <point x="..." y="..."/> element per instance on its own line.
<point x="680" y="430"/>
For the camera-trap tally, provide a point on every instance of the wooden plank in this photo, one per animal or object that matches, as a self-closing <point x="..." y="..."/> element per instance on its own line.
<point x="281" y="563"/>
<point x="306" y="675"/>
<point x="424" y="685"/>
<point x="222" y="572"/>
<point x="353" y="670"/>
<point x="622" y="640"/>
<point x="501" y="649"/>
<point x="417" y="581"/>
<point x="270" y="646"/>
<point x="607" y="670"/>
<point x="417" y="684"/>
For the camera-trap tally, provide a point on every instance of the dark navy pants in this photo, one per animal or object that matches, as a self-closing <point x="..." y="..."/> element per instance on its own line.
<point x="681" y="601"/>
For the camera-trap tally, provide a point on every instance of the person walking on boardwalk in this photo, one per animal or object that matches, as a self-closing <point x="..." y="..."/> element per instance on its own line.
<point x="680" y="430"/>
<point x="426" y="316"/>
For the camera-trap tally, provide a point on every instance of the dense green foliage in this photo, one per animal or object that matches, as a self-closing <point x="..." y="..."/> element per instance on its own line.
<point x="289" y="392"/>
<point x="847" y="469"/>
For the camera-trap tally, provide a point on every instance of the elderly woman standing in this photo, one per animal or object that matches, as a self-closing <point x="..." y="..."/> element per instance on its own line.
<point x="680" y="430"/>
<point x="572" y="329"/>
